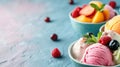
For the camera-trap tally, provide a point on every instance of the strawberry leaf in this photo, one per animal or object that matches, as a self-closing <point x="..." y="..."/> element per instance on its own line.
<point x="95" y="6"/>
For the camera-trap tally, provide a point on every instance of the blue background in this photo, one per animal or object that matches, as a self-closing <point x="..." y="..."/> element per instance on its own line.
<point x="60" y="25"/>
<point x="33" y="23"/>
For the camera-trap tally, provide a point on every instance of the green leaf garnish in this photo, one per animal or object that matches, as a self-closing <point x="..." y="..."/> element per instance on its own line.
<point x="99" y="35"/>
<point x="90" y="39"/>
<point x="95" y="6"/>
<point x="102" y="7"/>
<point x="98" y="8"/>
<point x="86" y="36"/>
<point x="94" y="38"/>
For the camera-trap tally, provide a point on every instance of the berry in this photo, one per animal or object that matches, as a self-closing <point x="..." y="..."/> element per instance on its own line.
<point x="113" y="45"/>
<point x="54" y="37"/>
<point x="105" y="40"/>
<point x="112" y="4"/>
<point x="71" y="2"/>
<point x="75" y="12"/>
<point x="47" y="19"/>
<point x="87" y="10"/>
<point x="56" y="53"/>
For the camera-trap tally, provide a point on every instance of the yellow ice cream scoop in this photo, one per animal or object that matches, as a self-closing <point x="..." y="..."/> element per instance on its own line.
<point x="116" y="56"/>
<point x="113" y="24"/>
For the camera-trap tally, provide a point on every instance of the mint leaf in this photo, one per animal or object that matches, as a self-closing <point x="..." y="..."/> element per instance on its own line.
<point x="89" y="41"/>
<point x="95" y="6"/>
<point x="102" y="7"/>
<point x="86" y="36"/>
<point x="94" y="38"/>
<point x="99" y="35"/>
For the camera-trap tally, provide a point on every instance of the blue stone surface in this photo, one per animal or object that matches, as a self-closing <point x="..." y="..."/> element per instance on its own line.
<point x="25" y="36"/>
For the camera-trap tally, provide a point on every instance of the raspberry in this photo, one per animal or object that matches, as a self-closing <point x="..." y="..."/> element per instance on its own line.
<point x="47" y="19"/>
<point x="56" y="53"/>
<point x="75" y="12"/>
<point x="112" y="4"/>
<point x="54" y="37"/>
<point x="105" y="40"/>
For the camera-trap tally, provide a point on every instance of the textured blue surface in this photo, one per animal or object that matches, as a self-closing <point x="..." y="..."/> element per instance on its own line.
<point x="36" y="33"/>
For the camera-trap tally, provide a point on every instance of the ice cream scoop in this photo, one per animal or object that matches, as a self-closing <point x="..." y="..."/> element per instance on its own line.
<point x="79" y="48"/>
<point x="113" y="24"/>
<point x="116" y="56"/>
<point x="111" y="10"/>
<point x="97" y="54"/>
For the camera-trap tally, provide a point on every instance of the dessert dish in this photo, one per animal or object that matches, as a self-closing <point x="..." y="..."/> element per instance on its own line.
<point x="102" y="50"/>
<point x="94" y="12"/>
<point x="90" y="17"/>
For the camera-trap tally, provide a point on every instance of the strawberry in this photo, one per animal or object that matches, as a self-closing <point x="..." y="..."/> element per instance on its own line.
<point x="75" y="12"/>
<point x="112" y="4"/>
<point x="105" y="40"/>
<point x="87" y="10"/>
<point x="56" y="53"/>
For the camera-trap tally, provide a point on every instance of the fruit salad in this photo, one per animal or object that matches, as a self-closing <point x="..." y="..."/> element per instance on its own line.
<point x="103" y="50"/>
<point x="94" y="12"/>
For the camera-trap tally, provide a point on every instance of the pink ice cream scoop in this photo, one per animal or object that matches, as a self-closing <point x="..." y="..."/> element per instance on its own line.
<point x="111" y="10"/>
<point x="97" y="54"/>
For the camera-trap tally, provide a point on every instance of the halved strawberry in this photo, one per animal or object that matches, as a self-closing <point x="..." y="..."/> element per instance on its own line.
<point x="87" y="10"/>
<point x="75" y="12"/>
